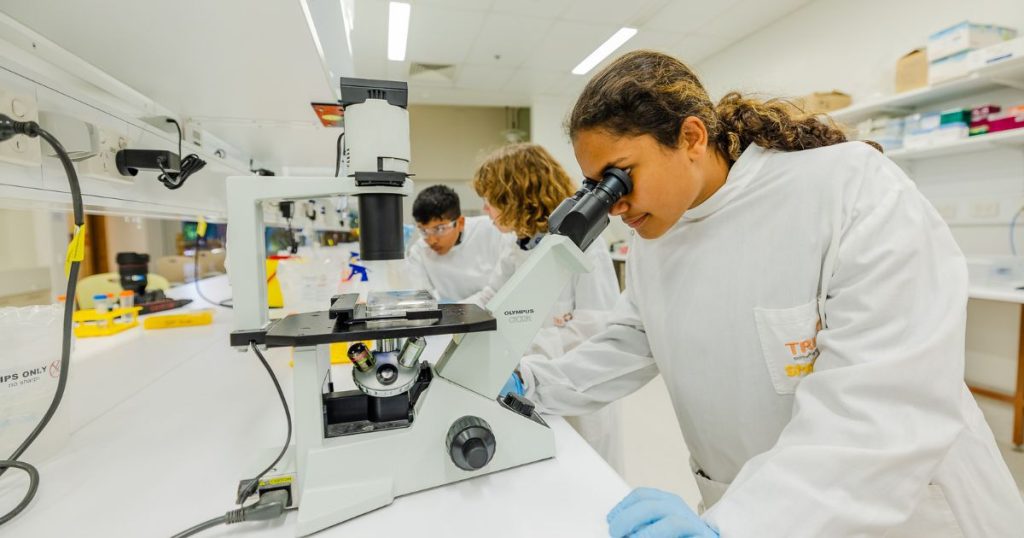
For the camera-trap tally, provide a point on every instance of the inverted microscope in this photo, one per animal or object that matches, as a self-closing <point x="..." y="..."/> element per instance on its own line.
<point x="424" y="424"/>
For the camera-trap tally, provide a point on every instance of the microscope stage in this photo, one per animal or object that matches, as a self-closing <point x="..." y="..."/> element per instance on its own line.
<point x="314" y="328"/>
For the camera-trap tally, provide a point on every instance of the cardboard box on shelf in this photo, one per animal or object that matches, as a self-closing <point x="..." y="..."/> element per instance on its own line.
<point x="912" y="70"/>
<point x="819" y="102"/>
<point x="965" y="36"/>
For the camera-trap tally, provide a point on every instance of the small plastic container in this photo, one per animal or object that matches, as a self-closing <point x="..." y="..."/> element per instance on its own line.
<point x="126" y="299"/>
<point x="100" y="303"/>
<point x="398" y="302"/>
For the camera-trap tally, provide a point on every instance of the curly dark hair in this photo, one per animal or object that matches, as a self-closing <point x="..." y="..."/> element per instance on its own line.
<point x="648" y="92"/>
<point x="436" y="202"/>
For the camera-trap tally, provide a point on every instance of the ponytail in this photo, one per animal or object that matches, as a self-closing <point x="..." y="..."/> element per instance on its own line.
<point x="772" y="124"/>
<point x="651" y="93"/>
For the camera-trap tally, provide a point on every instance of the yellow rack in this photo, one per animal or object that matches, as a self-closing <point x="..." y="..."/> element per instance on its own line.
<point x="90" y="323"/>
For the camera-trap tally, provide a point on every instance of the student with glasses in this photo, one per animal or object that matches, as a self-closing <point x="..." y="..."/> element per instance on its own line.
<point x="454" y="255"/>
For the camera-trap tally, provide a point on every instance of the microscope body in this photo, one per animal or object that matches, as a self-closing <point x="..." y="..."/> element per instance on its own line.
<point x="410" y="425"/>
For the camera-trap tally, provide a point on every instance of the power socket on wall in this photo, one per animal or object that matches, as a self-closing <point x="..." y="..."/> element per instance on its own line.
<point x="20" y="149"/>
<point x="985" y="209"/>
<point x="102" y="165"/>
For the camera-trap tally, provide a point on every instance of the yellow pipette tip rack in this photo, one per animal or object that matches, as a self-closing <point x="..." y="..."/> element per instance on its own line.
<point x="90" y="323"/>
<point x="181" y="319"/>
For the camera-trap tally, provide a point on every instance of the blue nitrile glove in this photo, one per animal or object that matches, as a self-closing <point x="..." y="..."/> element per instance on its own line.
<point x="652" y="513"/>
<point x="514" y="384"/>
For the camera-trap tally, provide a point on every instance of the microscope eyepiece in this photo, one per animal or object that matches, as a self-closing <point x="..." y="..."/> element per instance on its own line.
<point x="584" y="216"/>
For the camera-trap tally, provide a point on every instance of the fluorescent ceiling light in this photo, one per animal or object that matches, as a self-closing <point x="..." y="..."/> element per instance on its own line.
<point x="614" y="42"/>
<point x="348" y="14"/>
<point x="398" y="30"/>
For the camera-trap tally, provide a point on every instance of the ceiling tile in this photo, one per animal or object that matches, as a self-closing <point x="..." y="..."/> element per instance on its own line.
<point x="567" y="44"/>
<point x="696" y="47"/>
<point x="483" y="77"/>
<point x="747" y="16"/>
<point x="533" y="81"/>
<point x="512" y="38"/>
<point x="478" y="5"/>
<point x="442" y="35"/>
<point x="685" y="16"/>
<point x="648" y="39"/>
<point x="535" y="8"/>
<point x="629" y="13"/>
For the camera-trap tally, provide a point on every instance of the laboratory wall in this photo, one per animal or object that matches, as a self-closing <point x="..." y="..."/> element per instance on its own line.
<point x="448" y="143"/>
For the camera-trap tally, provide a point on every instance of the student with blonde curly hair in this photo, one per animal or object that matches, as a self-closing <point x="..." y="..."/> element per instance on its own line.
<point x="806" y="307"/>
<point x="521" y="185"/>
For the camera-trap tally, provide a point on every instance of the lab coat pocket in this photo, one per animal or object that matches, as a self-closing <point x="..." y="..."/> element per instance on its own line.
<point x="788" y="343"/>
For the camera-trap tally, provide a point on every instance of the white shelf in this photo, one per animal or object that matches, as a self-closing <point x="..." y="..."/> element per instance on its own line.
<point x="1013" y="138"/>
<point x="1009" y="73"/>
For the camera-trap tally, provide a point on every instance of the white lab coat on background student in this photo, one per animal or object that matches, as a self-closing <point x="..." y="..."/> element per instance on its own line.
<point x="466" y="268"/>
<point x="808" y="320"/>
<point x="579" y="313"/>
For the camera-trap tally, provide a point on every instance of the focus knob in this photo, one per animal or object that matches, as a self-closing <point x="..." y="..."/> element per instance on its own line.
<point x="471" y="443"/>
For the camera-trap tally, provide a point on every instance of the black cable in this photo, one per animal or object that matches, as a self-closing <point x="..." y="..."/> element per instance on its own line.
<point x="195" y="276"/>
<point x="252" y="484"/>
<point x="337" y="155"/>
<point x="188" y="165"/>
<point x="9" y="128"/>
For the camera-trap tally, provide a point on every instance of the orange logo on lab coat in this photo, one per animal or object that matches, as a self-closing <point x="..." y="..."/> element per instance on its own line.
<point x="803" y="354"/>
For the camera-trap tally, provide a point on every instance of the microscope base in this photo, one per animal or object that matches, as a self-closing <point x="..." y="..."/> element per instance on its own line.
<point x="342" y="477"/>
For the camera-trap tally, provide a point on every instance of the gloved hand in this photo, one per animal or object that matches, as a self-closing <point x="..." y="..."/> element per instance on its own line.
<point x="652" y="513"/>
<point x="514" y="384"/>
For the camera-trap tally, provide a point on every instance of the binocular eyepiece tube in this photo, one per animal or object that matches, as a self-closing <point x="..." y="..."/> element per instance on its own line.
<point x="584" y="215"/>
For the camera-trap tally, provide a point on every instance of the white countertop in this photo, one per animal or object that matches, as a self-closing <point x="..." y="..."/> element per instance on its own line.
<point x="163" y="425"/>
<point x="1006" y="293"/>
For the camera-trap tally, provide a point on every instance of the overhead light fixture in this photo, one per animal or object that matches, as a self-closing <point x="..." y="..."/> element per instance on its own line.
<point x="398" y="30"/>
<point x="348" y="17"/>
<point x="614" y="42"/>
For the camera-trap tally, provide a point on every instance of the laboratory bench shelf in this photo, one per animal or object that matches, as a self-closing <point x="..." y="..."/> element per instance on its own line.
<point x="1010" y="139"/>
<point x="1005" y="74"/>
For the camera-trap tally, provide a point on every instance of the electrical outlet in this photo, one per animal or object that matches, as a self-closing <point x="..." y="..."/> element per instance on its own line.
<point x="985" y="209"/>
<point x="947" y="211"/>
<point x="103" y="165"/>
<point x="20" y="149"/>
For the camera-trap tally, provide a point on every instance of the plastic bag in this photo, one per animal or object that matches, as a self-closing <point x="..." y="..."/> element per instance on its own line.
<point x="308" y="283"/>
<point x="29" y="373"/>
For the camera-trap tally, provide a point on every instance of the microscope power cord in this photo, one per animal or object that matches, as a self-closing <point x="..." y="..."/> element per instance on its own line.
<point x="195" y="278"/>
<point x="9" y="128"/>
<point x="271" y="504"/>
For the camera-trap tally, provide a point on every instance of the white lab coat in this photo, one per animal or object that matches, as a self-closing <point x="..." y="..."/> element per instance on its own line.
<point x="579" y="313"/>
<point x="466" y="268"/>
<point x="883" y="438"/>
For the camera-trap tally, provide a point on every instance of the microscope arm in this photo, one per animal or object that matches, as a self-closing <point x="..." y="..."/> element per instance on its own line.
<point x="246" y="243"/>
<point x="482" y="362"/>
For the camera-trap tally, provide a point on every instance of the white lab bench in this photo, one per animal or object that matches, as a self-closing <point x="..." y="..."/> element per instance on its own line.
<point x="163" y="425"/>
